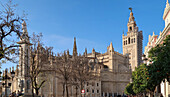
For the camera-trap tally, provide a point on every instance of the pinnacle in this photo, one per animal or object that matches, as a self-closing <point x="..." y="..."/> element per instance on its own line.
<point x="24" y="23"/>
<point x="167" y="3"/>
<point x="93" y="50"/>
<point x="111" y="44"/>
<point x="75" y="48"/>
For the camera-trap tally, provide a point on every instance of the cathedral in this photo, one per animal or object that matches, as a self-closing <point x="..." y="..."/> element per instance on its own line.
<point x="114" y="68"/>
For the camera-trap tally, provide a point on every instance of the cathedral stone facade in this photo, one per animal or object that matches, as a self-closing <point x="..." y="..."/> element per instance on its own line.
<point x="112" y="67"/>
<point x="114" y="73"/>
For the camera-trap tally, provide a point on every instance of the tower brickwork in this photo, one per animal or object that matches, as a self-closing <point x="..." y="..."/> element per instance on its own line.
<point x="132" y="43"/>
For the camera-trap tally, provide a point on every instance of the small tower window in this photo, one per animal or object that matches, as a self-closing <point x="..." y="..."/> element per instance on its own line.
<point x="92" y="91"/>
<point x="134" y="40"/>
<point x="129" y="40"/>
<point x="130" y="28"/>
<point x="97" y="91"/>
<point x="126" y="42"/>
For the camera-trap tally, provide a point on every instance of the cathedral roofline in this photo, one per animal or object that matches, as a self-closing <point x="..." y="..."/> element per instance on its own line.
<point x="163" y="34"/>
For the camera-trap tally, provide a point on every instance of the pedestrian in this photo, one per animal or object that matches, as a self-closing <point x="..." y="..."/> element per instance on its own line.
<point x="18" y="94"/>
<point x="14" y="94"/>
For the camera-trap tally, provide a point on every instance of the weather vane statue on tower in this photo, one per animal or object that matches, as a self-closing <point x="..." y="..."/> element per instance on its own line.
<point x="130" y="8"/>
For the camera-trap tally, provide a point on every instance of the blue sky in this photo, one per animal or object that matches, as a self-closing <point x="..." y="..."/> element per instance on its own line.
<point x="95" y="23"/>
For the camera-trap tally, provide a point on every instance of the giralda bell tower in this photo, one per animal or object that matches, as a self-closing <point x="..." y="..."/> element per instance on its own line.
<point x="132" y="43"/>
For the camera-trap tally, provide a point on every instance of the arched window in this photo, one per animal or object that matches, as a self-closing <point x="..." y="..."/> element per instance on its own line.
<point x="130" y="28"/>
<point x="126" y="42"/>
<point x="134" y="40"/>
<point x="92" y="90"/>
<point x="129" y="40"/>
<point x="106" y="67"/>
<point x="92" y="66"/>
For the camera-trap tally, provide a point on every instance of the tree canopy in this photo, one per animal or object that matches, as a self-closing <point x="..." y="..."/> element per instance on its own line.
<point x="10" y="30"/>
<point x="160" y="57"/>
<point x="129" y="89"/>
<point x="147" y="77"/>
<point x="140" y="79"/>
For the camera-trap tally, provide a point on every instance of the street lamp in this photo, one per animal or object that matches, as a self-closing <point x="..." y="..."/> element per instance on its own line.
<point x="6" y="78"/>
<point x="144" y="59"/>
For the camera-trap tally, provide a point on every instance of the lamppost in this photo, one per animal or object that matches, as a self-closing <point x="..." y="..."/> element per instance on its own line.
<point x="144" y="59"/>
<point x="5" y="78"/>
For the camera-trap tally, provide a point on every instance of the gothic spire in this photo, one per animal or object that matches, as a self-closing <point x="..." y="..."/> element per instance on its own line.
<point x="85" y="53"/>
<point x="75" y="48"/>
<point x="111" y="47"/>
<point x="68" y="53"/>
<point x="25" y="33"/>
<point x="93" y="51"/>
<point x="24" y="27"/>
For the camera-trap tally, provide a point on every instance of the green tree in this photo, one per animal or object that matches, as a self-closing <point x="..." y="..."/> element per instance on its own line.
<point x="160" y="58"/>
<point x="140" y="79"/>
<point x="129" y="89"/>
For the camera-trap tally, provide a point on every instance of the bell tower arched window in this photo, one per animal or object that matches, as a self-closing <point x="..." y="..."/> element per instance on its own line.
<point x="130" y="28"/>
<point x="129" y="40"/>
